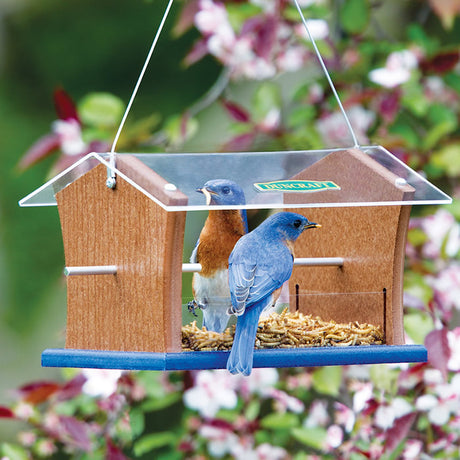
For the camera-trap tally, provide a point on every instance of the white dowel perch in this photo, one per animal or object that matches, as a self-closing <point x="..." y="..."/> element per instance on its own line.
<point x="91" y="270"/>
<point x="319" y="261"/>
<point x="302" y="261"/>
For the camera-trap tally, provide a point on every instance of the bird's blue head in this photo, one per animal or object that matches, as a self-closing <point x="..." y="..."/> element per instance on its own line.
<point x="289" y="224"/>
<point x="222" y="192"/>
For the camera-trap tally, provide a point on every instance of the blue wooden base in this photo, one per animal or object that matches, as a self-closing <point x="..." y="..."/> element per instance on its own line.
<point x="294" y="357"/>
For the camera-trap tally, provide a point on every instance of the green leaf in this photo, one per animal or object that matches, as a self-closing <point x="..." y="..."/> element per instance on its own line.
<point x="444" y="122"/>
<point x="252" y="411"/>
<point x="276" y="421"/>
<point x="153" y="441"/>
<point x="266" y="98"/>
<point x="137" y="422"/>
<point x="161" y="403"/>
<point x="13" y="452"/>
<point x="414" y="98"/>
<point x="327" y="380"/>
<point x="312" y="437"/>
<point x="179" y="130"/>
<point x="415" y="284"/>
<point x="417" y="326"/>
<point x="301" y="116"/>
<point x="239" y="13"/>
<point x="448" y="158"/>
<point x="418" y="35"/>
<point x="354" y="16"/>
<point x="416" y="237"/>
<point x="101" y="109"/>
<point x="384" y="378"/>
<point x="453" y="81"/>
<point x="406" y="132"/>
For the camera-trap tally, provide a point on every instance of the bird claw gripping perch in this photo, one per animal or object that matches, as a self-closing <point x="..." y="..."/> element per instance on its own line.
<point x="193" y="305"/>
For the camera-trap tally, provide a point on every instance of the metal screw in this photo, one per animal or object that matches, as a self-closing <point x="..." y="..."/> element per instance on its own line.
<point x="170" y="187"/>
<point x="400" y="182"/>
<point x="111" y="182"/>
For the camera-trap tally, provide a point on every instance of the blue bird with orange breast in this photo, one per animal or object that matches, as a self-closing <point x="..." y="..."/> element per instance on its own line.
<point x="222" y="229"/>
<point x="258" y="266"/>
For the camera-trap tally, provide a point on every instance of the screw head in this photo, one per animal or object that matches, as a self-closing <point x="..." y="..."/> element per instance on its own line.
<point x="110" y="182"/>
<point x="170" y="187"/>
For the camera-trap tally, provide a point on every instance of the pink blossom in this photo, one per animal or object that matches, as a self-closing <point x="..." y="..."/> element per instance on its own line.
<point x="70" y="137"/>
<point x="362" y="396"/>
<point x="23" y="410"/>
<point x="261" y="381"/>
<point x="386" y="414"/>
<point x="412" y="450"/>
<point x="221" y="441"/>
<point x="271" y="120"/>
<point x="446" y="287"/>
<point x="100" y="382"/>
<point x="333" y="128"/>
<point x="444" y="403"/>
<point x="453" y="338"/>
<point x="344" y="416"/>
<point x="213" y="391"/>
<point x="397" y="69"/>
<point x="45" y="448"/>
<point x="334" y="437"/>
<point x="27" y="438"/>
<point x="317" y="415"/>
<point x="442" y="231"/>
<point x="268" y="452"/>
<point x="286" y="402"/>
<point x="291" y="59"/>
<point x="318" y="28"/>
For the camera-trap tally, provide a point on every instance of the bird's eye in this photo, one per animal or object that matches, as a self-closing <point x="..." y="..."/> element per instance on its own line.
<point x="226" y="190"/>
<point x="297" y="223"/>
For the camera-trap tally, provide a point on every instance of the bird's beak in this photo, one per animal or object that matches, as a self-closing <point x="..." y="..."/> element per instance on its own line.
<point x="312" y="225"/>
<point x="207" y="193"/>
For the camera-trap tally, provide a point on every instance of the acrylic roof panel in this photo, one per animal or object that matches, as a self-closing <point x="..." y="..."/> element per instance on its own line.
<point x="190" y="171"/>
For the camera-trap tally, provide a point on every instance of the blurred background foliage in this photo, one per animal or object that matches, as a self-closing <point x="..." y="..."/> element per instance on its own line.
<point x="396" y="67"/>
<point x="84" y="47"/>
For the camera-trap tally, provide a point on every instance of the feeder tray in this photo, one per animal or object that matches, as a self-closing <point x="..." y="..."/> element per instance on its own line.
<point x="129" y="315"/>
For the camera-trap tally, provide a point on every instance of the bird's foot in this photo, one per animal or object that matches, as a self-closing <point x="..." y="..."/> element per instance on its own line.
<point x="193" y="305"/>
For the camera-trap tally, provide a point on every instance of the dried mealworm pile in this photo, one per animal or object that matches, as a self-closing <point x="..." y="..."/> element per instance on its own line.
<point x="286" y="330"/>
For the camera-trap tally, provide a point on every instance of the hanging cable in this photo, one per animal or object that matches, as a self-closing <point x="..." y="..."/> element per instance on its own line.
<point x="111" y="179"/>
<point x="328" y="77"/>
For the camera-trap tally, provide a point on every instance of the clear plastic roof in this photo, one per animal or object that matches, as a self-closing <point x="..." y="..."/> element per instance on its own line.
<point x="272" y="180"/>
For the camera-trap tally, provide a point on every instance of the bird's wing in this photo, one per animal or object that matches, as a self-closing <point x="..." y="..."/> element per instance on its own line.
<point x="252" y="281"/>
<point x="241" y="277"/>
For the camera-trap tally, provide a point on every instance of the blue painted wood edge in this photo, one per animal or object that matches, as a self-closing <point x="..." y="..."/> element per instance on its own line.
<point x="293" y="357"/>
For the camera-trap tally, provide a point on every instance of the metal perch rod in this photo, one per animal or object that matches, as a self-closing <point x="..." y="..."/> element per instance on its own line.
<point x="91" y="270"/>
<point x="303" y="261"/>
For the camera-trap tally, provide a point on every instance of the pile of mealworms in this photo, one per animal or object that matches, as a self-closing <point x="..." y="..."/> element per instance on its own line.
<point x="286" y="330"/>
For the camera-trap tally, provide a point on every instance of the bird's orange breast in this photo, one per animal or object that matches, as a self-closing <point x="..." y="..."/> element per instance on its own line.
<point x="220" y="233"/>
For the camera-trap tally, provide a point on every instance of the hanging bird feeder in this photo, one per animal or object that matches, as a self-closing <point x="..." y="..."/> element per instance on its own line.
<point x="123" y="223"/>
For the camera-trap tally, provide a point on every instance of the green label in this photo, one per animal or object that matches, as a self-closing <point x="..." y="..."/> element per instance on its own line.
<point x="296" y="186"/>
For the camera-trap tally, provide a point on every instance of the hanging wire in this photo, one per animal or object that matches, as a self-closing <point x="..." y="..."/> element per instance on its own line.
<point x="111" y="178"/>
<point x="328" y="77"/>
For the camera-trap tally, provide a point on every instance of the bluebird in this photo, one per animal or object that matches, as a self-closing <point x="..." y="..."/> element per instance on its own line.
<point x="222" y="229"/>
<point x="260" y="263"/>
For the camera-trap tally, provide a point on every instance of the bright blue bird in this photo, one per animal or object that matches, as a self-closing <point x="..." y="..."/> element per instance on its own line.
<point x="222" y="229"/>
<point x="260" y="263"/>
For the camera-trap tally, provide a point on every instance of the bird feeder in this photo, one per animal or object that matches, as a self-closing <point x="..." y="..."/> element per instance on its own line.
<point x="123" y="242"/>
<point x="124" y="246"/>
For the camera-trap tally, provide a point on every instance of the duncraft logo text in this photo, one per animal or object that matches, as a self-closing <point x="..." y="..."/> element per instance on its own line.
<point x="296" y="186"/>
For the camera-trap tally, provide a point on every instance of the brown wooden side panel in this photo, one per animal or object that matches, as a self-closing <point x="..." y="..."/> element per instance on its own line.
<point x="369" y="239"/>
<point x="139" y="308"/>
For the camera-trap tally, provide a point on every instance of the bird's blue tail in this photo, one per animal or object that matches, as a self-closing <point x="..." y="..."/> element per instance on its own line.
<point x="241" y="355"/>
